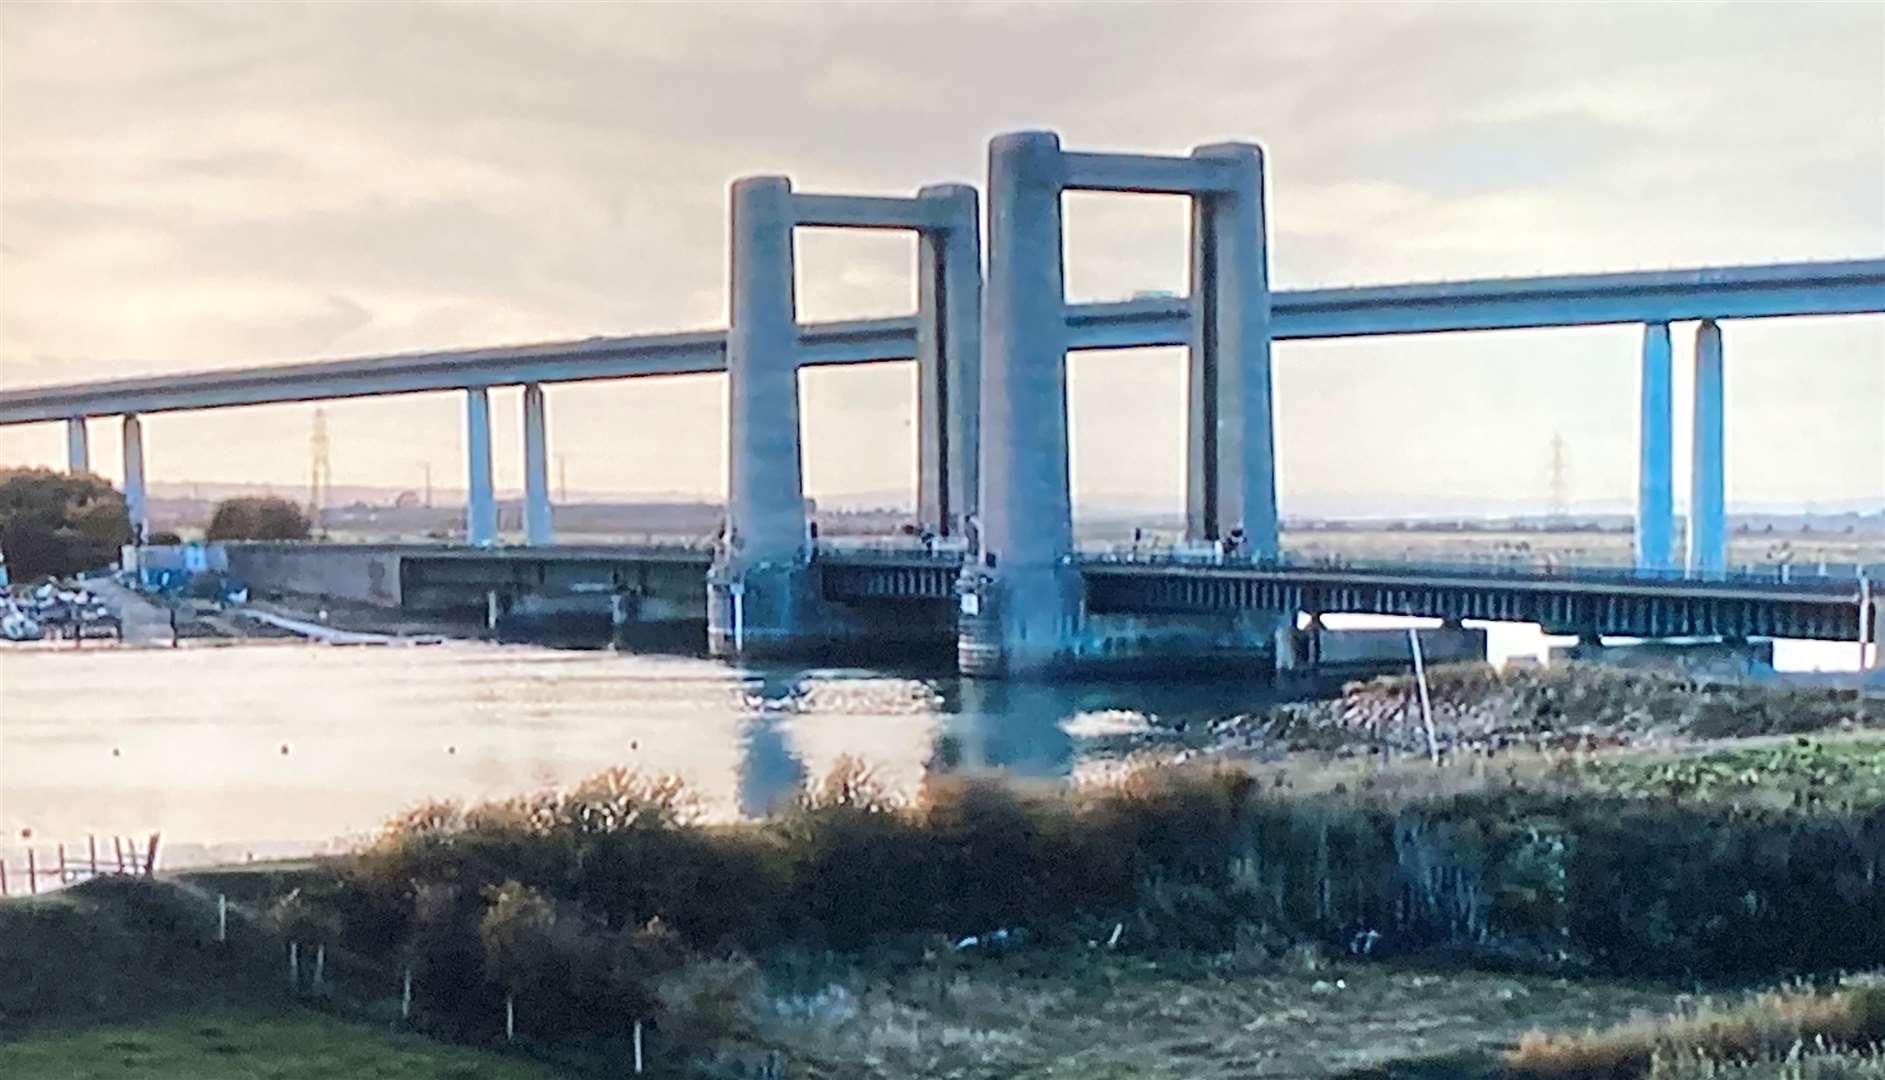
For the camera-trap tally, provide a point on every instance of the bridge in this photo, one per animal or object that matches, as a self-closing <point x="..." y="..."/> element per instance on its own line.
<point x="908" y="596"/>
<point x="992" y="427"/>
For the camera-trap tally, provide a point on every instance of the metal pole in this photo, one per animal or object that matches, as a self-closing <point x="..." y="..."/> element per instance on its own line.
<point x="1426" y="704"/>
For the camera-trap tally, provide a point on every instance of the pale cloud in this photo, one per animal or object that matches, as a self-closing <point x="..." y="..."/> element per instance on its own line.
<point x="188" y="186"/>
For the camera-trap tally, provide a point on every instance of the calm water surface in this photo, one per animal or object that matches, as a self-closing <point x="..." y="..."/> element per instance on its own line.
<point x="273" y="749"/>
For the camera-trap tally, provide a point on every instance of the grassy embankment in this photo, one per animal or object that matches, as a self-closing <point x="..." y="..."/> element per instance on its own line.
<point x="1226" y="898"/>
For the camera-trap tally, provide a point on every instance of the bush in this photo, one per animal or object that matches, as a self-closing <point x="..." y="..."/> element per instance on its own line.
<point x="55" y="525"/>
<point x="585" y="904"/>
<point x="258" y="517"/>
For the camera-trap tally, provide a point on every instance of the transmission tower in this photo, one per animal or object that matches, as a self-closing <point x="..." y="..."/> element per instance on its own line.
<point x="320" y="469"/>
<point x="1560" y="488"/>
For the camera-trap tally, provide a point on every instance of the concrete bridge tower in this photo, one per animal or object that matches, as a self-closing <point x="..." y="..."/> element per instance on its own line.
<point x="765" y="594"/>
<point x="1024" y="609"/>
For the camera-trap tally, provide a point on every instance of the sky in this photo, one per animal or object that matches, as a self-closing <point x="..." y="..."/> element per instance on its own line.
<point x="196" y="186"/>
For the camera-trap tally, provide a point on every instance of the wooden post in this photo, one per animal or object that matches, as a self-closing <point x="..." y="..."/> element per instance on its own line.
<point x="3" y="877"/>
<point x="150" y="860"/>
<point x="62" y="878"/>
<point x="32" y="872"/>
<point x="117" y="845"/>
<point x="91" y="846"/>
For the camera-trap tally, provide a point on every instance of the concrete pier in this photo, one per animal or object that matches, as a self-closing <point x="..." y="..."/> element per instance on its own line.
<point x="767" y="593"/>
<point x="759" y="587"/>
<point x="78" y="446"/>
<point x="539" y="521"/>
<point x="1024" y="604"/>
<point x="1021" y="604"/>
<point x="480" y="500"/>
<point x="1708" y="527"/>
<point x="1231" y="458"/>
<point x="1655" y="488"/>
<point x="136" y="502"/>
<point x="949" y="360"/>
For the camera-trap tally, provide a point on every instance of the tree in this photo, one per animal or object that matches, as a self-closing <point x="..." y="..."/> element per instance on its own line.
<point x="263" y="517"/>
<point x="54" y="523"/>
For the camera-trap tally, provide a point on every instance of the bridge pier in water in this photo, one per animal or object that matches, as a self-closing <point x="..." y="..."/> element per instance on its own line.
<point x="768" y="596"/>
<point x="1025" y="604"/>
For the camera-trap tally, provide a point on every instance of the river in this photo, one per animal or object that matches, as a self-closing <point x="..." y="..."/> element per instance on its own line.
<point x="268" y="749"/>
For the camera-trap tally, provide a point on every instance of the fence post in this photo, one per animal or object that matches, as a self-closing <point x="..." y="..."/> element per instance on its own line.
<point x="91" y="844"/>
<point x="117" y="845"/>
<point x="222" y="917"/>
<point x="3" y="877"/>
<point x="150" y="861"/>
<point x="62" y="878"/>
<point x="32" y="872"/>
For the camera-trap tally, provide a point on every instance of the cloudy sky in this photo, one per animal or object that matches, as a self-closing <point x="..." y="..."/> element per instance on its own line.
<point x="186" y="187"/>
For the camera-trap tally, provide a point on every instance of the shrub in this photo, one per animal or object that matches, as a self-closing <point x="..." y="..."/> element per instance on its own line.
<point x="258" y="517"/>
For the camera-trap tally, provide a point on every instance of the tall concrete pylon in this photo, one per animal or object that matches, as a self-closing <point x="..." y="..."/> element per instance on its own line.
<point x="1023" y="605"/>
<point x="78" y="446"/>
<point x="762" y="593"/>
<point x="1655" y="488"/>
<point x="1708" y="525"/>
<point x="480" y="499"/>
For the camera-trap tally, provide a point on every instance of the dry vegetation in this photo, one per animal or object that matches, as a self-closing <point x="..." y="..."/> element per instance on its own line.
<point x="1800" y="1031"/>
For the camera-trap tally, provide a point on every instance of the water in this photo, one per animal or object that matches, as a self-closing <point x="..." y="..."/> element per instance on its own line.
<point x="269" y="749"/>
<point x="277" y="749"/>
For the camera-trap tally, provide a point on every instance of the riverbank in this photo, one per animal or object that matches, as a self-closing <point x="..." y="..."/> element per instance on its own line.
<point x="1313" y="898"/>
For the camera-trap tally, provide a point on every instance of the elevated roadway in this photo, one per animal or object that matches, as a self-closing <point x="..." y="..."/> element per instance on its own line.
<point x="1770" y="291"/>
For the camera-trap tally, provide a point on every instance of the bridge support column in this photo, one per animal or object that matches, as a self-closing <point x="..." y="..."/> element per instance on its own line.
<point x="78" y="446"/>
<point x="136" y="501"/>
<point x="948" y="360"/>
<point x="759" y="582"/>
<point x="1025" y="609"/>
<point x="1231" y="464"/>
<point x="1655" y="489"/>
<point x="539" y="518"/>
<point x="480" y="500"/>
<point x="1708" y="531"/>
<point x="1022" y="603"/>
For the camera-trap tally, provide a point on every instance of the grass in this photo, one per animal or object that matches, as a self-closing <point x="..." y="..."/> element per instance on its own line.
<point x="1845" y="773"/>
<point x="1796" y="1027"/>
<point x="145" y="995"/>
<point x="1109" y="1017"/>
<point x="295" y="1044"/>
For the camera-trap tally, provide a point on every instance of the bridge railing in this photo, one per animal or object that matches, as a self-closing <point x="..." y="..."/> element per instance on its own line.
<point x="1792" y="578"/>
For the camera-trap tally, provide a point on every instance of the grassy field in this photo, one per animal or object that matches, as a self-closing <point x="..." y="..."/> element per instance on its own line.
<point x="246" y="1045"/>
